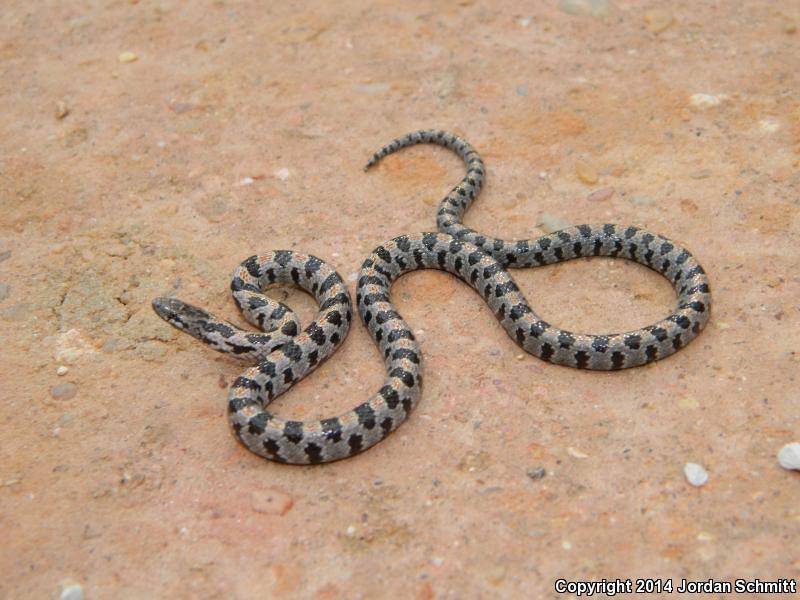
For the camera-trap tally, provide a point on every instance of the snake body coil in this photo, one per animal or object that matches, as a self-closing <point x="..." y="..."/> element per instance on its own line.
<point x="284" y="354"/>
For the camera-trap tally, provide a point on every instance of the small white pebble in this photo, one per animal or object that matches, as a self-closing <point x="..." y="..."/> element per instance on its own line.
<point x="769" y="125"/>
<point x="71" y="592"/>
<point x="704" y="100"/>
<point x="575" y="453"/>
<point x="542" y="174"/>
<point x="524" y="21"/>
<point x="62" y="370"/>
<point x="282" y="174"/>
<point x="437" y="561"/>
<point x="246" y="181"/>
<point x="127" y="57"/>
<point x="695" y="474"/>
<point x="566" y="545"/>
<point x="789" y="456"/>
<point x="350" y="531"/>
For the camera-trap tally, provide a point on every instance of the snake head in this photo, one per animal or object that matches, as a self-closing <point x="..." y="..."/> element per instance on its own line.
<point x="196" y="322"/>
<point x="180" y="314"/>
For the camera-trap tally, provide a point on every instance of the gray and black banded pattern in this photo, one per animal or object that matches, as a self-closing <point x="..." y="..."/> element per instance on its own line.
<point x="284" y="354"/>
<point x="602" y="352"/>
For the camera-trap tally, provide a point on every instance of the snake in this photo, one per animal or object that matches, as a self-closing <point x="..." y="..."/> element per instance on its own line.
<point x="283" y="352"/>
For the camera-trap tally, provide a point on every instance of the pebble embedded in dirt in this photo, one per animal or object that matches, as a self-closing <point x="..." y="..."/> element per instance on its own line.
<point x="704" y="100"/>
<point x="550" y="223"/>
<point x="127" y="57"/>
<point x="586" y="172"/>
<point x="213" y="207"/>
<point x="371" y="88"/>
<point x="5" y="289"/>
<point x="151" y="350"/>
<point x="594" y="8"/>
<point x="695" y="474"/>
<point x="271" y="502"/>
<point x="71" y="592"/>
<point x="769" y="125"/>
<point x="657" y="20"/>
<point x="5" y="255"/>
<point x="789" y="456"/>
<point x="62" y="110"/>
<point x="64" y="391"/>
<point x="575" y="453"/>
<point x="474" y="462"/>
<point x="601" y="194"/>
<point x="89" y="306"/>
<point x="536" y="473"/>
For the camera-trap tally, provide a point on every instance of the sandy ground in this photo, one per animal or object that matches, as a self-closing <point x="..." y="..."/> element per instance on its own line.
<point x="240" y="128"/>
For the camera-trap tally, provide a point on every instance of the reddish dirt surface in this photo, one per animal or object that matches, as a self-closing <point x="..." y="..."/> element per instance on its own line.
<point x="243" y="127"/>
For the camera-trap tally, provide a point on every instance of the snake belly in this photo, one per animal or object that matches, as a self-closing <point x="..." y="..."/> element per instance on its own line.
<point x="284" y="355"/>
